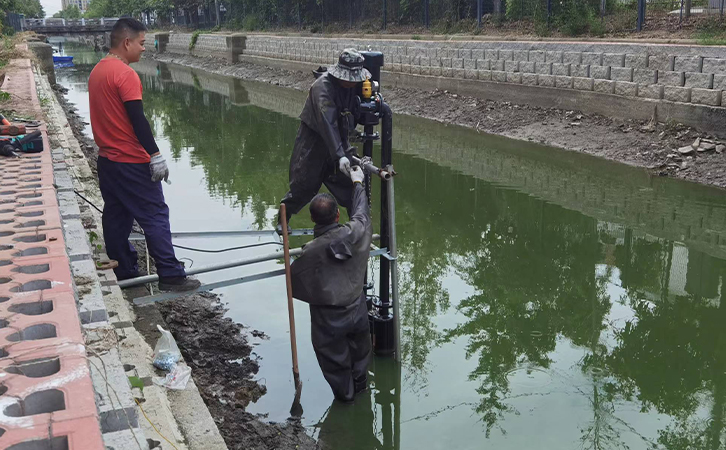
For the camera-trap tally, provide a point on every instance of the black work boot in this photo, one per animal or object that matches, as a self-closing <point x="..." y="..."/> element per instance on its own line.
<point x="361" y="385"/>
<point x="178" y="284"/>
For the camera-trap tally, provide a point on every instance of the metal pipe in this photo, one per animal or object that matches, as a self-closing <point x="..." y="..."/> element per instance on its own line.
<point x="393" y="251"/>
<point x="386" y="160"/>
<point x="296" y="407"/>
<point x="373" y="170"/>
<point x="214" y="267"/>
<point x="211" y="268"/>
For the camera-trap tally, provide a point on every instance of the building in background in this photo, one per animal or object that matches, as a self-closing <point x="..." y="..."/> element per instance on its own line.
<point x="81" y="4"/>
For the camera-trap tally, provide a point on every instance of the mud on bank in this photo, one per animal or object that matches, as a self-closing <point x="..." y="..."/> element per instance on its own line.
<point x="214" y="346"/>
<point x="647" y="144"/>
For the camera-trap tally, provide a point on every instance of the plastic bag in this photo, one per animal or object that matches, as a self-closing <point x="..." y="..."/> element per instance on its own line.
<point x="166" y="352"/>
<point x="176" y="379"/>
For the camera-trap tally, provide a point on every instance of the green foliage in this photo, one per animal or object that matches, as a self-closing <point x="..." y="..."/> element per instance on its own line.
<point x="252" y="23"/>
<point x="136" y="382"/>
<point x="72" y="12"/>
<point x="193" y="41"/>
<point x="712" y="32"/>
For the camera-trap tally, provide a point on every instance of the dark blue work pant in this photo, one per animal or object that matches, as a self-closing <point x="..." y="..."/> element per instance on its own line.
<point x="128" y="194"/>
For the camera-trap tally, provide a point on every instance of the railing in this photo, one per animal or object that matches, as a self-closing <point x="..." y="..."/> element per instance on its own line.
<point x="40" y="24"/>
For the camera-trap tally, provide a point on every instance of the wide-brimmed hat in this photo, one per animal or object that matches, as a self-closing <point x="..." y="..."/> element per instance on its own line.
<point x="350" y="67"/>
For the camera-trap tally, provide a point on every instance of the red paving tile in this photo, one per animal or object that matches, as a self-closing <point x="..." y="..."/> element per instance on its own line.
<point x="44" y="372"/>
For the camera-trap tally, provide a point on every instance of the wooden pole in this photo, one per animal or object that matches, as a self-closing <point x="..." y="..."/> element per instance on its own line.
<point x="290" y="307"/>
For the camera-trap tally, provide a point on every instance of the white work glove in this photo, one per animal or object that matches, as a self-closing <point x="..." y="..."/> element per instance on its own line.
<point x="158" y="168"/>
<point x="344" y="165"/>
<point x="357" y="175"/>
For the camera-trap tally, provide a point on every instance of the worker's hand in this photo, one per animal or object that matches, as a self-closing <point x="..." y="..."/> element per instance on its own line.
<point x="357" y="175"/>
<point x="159" y="170"/>
<point x="344" y="165"/>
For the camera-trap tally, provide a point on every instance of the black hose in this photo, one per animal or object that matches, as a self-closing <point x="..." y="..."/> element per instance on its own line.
<point x="183" y="247"/>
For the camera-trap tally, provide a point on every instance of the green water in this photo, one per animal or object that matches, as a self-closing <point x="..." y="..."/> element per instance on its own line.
<point x="549" y="300"/>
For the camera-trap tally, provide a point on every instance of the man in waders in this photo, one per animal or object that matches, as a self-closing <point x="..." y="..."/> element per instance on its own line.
<point x="322" y="153"/>
<point x="329" y="275"/>
<point x="130" y="167"/>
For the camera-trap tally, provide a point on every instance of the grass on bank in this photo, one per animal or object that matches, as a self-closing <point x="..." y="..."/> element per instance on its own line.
<point x="712" y="33"/>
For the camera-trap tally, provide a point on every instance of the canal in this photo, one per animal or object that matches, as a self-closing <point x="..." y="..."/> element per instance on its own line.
<point x="550" y="300"/>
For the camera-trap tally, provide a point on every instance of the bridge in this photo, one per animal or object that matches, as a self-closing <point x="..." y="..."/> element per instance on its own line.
<point x="52" y="26"/>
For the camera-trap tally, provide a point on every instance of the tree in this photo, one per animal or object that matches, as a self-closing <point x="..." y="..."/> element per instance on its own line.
<point x="72" y="12"/>
<point x="30" y="8"/>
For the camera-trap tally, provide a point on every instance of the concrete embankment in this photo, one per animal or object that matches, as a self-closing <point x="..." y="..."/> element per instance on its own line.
<point x="682" y="83"/>
<point x="68" y="341"/>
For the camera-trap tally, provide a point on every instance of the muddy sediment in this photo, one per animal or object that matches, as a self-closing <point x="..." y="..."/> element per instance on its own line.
<point x="652" y="145"/>
<point x="214" y="346"/>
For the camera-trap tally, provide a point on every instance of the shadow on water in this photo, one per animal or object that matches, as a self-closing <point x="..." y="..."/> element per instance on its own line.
<point x="549" y="300"/>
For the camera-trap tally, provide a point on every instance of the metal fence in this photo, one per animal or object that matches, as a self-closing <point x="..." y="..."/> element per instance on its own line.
<point x="568" y="16"/>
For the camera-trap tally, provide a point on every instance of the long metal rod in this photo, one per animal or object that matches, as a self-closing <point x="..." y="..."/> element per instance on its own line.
<point x="225" y="234"/>
<point x="211" y="268"/>
<point x="372" y="169"/>
<point x="151" y="299"/>
<point x="288" y="285"/>
<point x="214" y="267"/>
<point x="393" y="251"/>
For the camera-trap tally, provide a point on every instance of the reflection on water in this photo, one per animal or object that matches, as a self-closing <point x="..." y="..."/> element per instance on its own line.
<point x="549" y="300"/>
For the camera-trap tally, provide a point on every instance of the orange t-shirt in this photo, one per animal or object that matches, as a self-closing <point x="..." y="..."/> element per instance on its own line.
<point x="111" y="84"/>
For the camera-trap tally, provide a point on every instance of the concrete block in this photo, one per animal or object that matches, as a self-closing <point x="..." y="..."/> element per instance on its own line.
<point x="626" y="88"/>
<point x="613" y="59"/>
<point x="459" y="73"/>
<point x="446" y="62"/>
<point x="520" y="55"/>
<point x="710" y="97"/>
<point x="457" y="63"/>
<point x="485" y="75"/>
<point x="470" y="64"/>
<point x="645" y="76"/>
<point x="621" y="74"/>
<point x="491" y="54"/>
<point x="546" y="80"/>
<point x="714" y="65"/>
<point x="506" y="55"/>
<point x="699" y="80"/>
<point x="526" y="66"/>
<point x="719" y="82"/>
<point x="405" y="68"/>
<point x="124" y="440"/>
<point x="563" y="82"/>
<point x="68" y="205"/>
<point x="425" y="70"/>
<point x="543" y="68"/>
<point x="416" y="70"/>
<point x="636" y="61"/>
<point x="661" y="62"/>
<point x="677" y="94"/>
<point x="671" y="78"/>
<point x="406" y="60"/>
<point x="591" y="59"/>
<point x="511" y="66"/>
<point x="436" y="71"/>
<point x="424" y="61"/>
<point x="483" y="64"/>
<point x="583" y="84"/>
<point x="572" y="58"/>
<point x="688" y="64"/>
<point x="447" y="72"/>
<point x="498" y="65"/>
<point x="529" y="79"/>
<point x="580" y="70"/>
<point x="464" y="53"/>
<point x="537" y="56"/>
<point x="605" y="86"/>
<point x="394" y="67"/>
<point x="477" y="53"/>
<point x="654" y="91"/>
<point x="600" y="72"/>
<point x="562" y="70"/>
<point x="514" y="77"/>
<point x="471" y="74"/>
<point x="499" y="76"/>
<point x="554" y="56"/>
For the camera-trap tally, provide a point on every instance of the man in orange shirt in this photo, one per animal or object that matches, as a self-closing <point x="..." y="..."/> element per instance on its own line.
<point x="130" y="167"/>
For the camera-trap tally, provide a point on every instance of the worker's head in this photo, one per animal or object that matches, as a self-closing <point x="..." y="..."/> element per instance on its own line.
<point x="349" y="71"/>
<point x="324" y="209"/>
<point x="128" y="37"/>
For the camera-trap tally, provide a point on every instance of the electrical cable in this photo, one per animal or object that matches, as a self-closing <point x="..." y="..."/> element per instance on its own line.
<point x="183" y="247"/>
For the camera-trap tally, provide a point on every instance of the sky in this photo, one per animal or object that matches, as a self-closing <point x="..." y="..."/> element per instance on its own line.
<point x="51" y="6"/>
